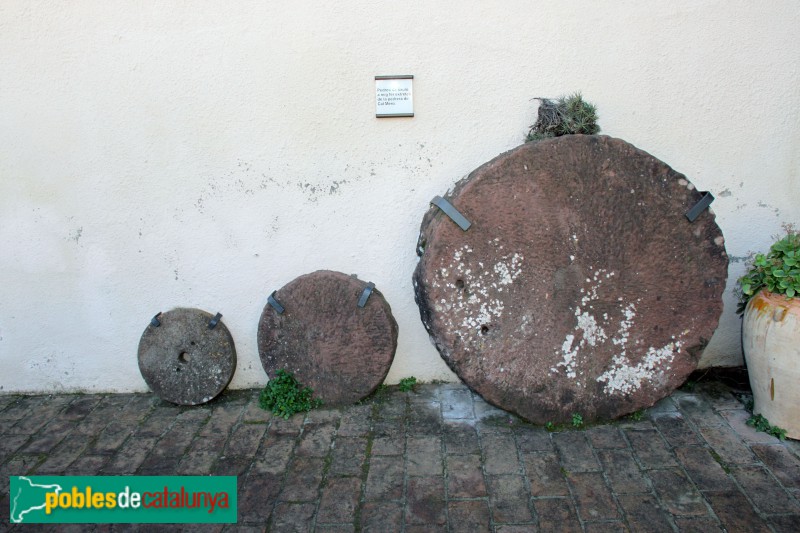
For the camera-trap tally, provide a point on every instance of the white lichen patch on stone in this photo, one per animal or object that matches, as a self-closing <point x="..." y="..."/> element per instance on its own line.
<point x="477" y="291"/>
<point x="624" y="378"/>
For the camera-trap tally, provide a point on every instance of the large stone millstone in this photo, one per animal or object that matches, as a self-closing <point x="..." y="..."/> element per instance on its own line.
<point x="341" y="351"/>
<point x="581" y="287"/>
<point x="183" y="360"/>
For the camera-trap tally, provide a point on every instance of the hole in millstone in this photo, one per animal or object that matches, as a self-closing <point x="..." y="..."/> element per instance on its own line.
<point x="459" y="284"/>
<point x="177" y="369"/>
<point x="183" y="357"/>
<point x="484" y="329"/>
<point x="192" y="343"/>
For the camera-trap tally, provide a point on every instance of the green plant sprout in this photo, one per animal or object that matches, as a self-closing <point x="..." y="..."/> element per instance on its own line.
<point x="564" y="116"/>
<point x="407" y="384"/>
<point x="778" y="271"/>
<point x="762" y="424"/>
<point x="577" y="420"/>
<point x="284" y="396"/>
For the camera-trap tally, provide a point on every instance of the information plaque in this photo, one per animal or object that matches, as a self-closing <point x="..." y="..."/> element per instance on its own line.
<point x="394" y="96"/>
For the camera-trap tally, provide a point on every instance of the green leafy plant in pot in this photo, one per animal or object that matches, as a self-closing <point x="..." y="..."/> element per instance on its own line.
<point x="770" y="299"/>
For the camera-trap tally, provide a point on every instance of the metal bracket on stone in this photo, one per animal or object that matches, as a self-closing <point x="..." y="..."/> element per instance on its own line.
<point x="365" y="295"/>
<point x="451" y="212"/>
<point x="275" y="304"/>
<point x="155" y="322"/>
<point x="700" y="206"/>
<point x="214" y="321"/>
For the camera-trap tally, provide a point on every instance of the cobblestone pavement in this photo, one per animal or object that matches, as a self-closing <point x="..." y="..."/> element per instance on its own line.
<point x="437" y="459"/>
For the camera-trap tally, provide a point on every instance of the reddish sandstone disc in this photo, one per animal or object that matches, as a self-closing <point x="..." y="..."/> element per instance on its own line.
<point x="341" y="351"/>
<point x="581" y="287"/>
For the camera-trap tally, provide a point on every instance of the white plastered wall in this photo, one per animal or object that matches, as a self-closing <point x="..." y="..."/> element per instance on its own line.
<point x="203" y="154"/>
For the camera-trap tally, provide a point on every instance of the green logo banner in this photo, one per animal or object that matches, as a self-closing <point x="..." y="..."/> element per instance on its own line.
<point x="123" y="499"/>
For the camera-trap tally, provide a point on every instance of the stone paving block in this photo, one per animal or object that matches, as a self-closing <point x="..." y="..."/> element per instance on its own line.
<point x="508" y="499"/>
<point x="545" y="474"/>
<point x="424" y="393"/>
<point x="483" y="409"/>
<point x="457" y="404"/>
<point x="80" y="407"/>
<point x="336" y="528"/>
<point x="339" y="500"/>
<point x="10" y="444"/>
<point x="622" y="471"/>
<point x="24" y="406"/>
<point x="286" y="427"/>
<point x="327" y="416"/>
<point x="676" y="430"/>
<point x="722" y="400"/>
<point x="606" y="437"/>
<point x="515" y="528"/>
<point x="87" y="465"/>
<point x="728" y="445"/>
<point x="697" y="525"/>
<point x="347" y="456"/>
<point x="303" y="479"/>
<point x="155" y="465"/>
<point x="783" y="463"/>
<point x="465" y="477"/>
<point x="157" y="423"/>
<point x="424" y="456"/>
<point x="230" y="466"/>
<point x="426" y="501"/>
<point x="425" y="421"/>
<point x="607" y="526"/>
<point x="112" y="437"/>
<point x="703" y="469"/>
<point x="355" y="421"/>
<point x="677" y="493"/>
<point x="661" y="407"/>
<point x="245" y="440"/>
<point x="292" y="517"/>
<point x="650" y="449"/>
<point x="316" y="441"/>
<point x="47" y="438"/>
<point x="469" y="515"/>
<point x="389" y="439"/>
<point x="128" y="458"/>
<point x="223" y="418"/>
<point x="500" y="454"/>
<point x="253" y="411"/>
<point x="18" y="465"/>
<point x="698" y="410"/>
<point x="63" y="455"/>
<point x="575" y="452"/>
<point x="533" y="439"/>
<point x="735" y="512"/>
<point x="273" y="456"/>
<point x="785" y="523"/>
<point x="557" y="514"/>
<point x="380" y="517"/>
<point x="392" y="409"/>
<point x="460" y="438"/>
<point x="737" y="419"/>
<point x="593" y="497"/>
<point x="644" y="513"/>
<point x="257" y="496"/>
<point x="769" y="497"/>
<point x="385" y="478"/>
<point x="197" y="464"/>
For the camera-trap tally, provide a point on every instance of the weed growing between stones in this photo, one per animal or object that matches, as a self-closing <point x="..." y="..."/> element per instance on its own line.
<point x="407" y="384"/>
<point x="563" y="116"/>
<point x="284" y="396"/>
<point x="762" y="424"/>
<point x="577" y="420"/>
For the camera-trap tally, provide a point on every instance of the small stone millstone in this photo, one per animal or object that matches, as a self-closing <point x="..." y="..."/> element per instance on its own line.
<point x="183" y="360"/>
<point x="339" y="350"/>
<point x="580" y="287"/>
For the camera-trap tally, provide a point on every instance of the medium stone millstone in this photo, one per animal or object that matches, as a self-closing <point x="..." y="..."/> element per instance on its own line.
<point x="339" y="350"/>
<point x="184" y="361"/>
<point x="581" y="287"/>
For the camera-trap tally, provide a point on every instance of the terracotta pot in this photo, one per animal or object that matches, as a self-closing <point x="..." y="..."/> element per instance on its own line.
<point x="771" y="340"/>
